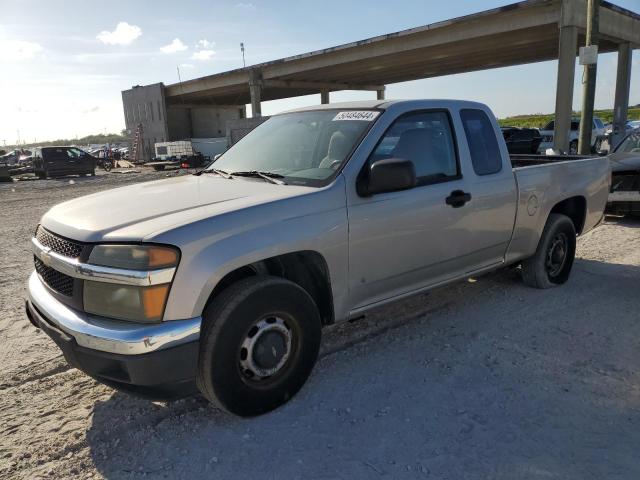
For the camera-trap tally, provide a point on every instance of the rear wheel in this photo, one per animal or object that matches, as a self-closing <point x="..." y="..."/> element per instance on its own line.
<point x="259" y="343"/>
<point x="551" y="265"/>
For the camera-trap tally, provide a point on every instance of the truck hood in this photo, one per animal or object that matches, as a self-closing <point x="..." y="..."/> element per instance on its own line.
<point x="138" y="212"/>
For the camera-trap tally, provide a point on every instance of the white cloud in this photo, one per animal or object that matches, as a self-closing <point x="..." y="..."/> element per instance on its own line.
<point x="187" y="66"/>
<point x="245" y="5"/>
<point x="204" y="43"/>
<point x="124" y="34"/>
<point x="18" y="50"/>
<point x="203" y="55"/>
<point x="173" y="47"/>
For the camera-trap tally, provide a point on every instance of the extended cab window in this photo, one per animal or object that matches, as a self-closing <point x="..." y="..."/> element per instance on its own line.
<point x="483" y="145"/>
<point x="424" y="138"/>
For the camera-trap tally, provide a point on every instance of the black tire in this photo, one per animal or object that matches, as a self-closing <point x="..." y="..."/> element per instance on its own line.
<point x="548" y="267"/>
<point x="597" y="146"/>
<point x="92" y="173"/>
<point x="573" y="147"/>
<point x="232" y="320"/>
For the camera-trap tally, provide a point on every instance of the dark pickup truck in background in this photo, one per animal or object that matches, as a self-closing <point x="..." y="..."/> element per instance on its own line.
<point x="59" y="161"/>
<point x="521" y="140"/>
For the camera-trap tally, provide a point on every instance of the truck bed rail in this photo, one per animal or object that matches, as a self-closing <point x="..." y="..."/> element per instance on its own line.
<point x="530" y="160"/>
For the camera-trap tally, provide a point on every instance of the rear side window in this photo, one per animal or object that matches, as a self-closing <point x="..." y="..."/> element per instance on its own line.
<point x="481" y="138"/>
<point x="54" y="154"/>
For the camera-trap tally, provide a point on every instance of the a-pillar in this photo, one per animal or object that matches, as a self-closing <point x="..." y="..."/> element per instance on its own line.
<point x="255" y="89"/>
<point x="621" y="103"/>
<point x="564" y="90"/>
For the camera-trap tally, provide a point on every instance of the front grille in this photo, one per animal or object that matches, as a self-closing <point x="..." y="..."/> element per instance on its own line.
<point x="625" y="182"/>
<point x="59" y="245"/>
<point x="59" y="282"/>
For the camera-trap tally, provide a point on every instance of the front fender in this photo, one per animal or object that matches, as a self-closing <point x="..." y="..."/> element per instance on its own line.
<point x="223" y="245"/>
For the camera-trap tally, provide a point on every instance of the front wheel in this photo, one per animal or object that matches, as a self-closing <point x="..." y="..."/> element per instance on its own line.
<point x="573" y="147"/>
<point x="259" y="343"/>
<point x="597" y="146"/>
<point x="551" y="265"/>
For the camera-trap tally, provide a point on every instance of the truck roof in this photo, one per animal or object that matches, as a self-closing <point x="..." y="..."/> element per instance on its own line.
<point x="383" y="104"/>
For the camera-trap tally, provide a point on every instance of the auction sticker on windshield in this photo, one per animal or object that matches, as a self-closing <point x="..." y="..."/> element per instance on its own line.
<point x="362" y="115"/>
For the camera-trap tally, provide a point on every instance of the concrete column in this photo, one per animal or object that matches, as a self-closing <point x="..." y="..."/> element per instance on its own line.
<point x="380" y="94"/>
<point x="324" y="97"/>
<point x="564" y="90"/>
<point x="255" y="89"/>
<point x="623" y="84"/>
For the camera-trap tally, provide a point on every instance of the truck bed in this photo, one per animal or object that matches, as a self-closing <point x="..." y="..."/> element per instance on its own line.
<point x="544" y="181"/>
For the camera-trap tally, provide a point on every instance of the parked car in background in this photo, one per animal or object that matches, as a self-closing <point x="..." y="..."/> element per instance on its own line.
<point x="15" y="157"/>
<point x="598" y="134"/>
<point x="59" y="161"/>
<point x="628" y="128"/>
<point x="521" y="140"/>
<point x="224" y="279"/>
<point x="624" y="197"/>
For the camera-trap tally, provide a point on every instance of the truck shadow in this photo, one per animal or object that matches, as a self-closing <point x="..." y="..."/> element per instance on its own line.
<point x="488" y="379"/>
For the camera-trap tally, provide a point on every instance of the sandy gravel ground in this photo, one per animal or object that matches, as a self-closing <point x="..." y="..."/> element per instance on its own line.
<point x="483" y="379"/>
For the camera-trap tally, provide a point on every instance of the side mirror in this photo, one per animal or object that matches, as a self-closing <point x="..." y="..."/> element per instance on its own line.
<point x="388" y="175"/>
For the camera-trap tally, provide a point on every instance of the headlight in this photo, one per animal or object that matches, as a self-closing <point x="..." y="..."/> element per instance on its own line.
<point x="127" y="302"/>
<point x="134" y="257"/>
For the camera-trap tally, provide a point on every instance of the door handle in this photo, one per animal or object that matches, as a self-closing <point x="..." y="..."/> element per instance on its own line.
<point x="458" y="198"/>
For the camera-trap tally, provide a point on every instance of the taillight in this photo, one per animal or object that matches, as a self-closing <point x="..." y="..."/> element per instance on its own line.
<point x="184" y="165"/>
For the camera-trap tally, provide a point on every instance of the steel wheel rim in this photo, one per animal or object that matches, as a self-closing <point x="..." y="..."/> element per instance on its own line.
<point x="268" y="337"/>
<point x="557" y="255"/>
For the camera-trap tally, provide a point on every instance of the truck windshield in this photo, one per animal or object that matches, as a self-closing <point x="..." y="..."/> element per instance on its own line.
<point x="305" y="148"/>
<point x="631" y="144"/>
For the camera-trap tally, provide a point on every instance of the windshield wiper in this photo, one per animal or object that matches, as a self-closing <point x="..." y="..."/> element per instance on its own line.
<point x="222" y="173"/>
<point x="268" y="176"/>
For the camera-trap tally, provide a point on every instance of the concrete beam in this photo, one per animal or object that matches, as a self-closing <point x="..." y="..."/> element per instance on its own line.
<point x="329" y="86"/>
<point x="623" y="85"/>
<point x="255" y="89"/>
<point x="564" y="91"/>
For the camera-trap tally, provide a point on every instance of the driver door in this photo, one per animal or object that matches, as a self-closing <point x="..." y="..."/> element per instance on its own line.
<point x="405" y="240"/>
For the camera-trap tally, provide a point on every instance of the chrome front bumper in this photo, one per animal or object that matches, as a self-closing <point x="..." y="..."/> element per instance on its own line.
<point x="106" y="335"/>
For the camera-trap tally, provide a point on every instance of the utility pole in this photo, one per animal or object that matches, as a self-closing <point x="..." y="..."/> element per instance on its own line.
<point x="589" y="78"/>
<point x="242" y="50"/>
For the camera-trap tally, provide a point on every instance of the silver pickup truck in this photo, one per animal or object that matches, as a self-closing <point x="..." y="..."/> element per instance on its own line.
<point x="225" y="279"/>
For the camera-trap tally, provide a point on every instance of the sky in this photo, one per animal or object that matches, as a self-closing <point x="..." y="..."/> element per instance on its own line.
<point x="63" y="64"/>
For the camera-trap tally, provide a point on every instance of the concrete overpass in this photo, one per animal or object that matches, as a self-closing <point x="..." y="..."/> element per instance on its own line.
<point x="525" y="32"/>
